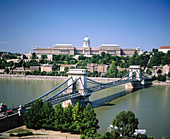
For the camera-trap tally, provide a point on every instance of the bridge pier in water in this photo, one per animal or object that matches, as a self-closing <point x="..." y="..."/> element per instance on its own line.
<point x="79" y="87"/>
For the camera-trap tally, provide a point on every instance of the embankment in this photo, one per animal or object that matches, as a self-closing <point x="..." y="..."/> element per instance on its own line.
<point x="38" y="77"/>
<point x="97" y="79"/>
<point x="10" y="122"/>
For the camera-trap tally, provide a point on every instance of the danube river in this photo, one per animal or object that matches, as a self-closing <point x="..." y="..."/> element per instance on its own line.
<point x="150" y="105"/>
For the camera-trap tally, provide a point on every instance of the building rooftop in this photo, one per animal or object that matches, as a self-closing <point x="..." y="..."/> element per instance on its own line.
<point x="164" y="47"/>
<point x="63" y="45"/>
<point x="109" y="45"/>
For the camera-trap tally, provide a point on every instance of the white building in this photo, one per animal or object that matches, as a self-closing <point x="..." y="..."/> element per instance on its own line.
<point x="164" y="49"/>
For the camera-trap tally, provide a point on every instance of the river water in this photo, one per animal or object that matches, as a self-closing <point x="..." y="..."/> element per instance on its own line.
<point x="150" y="105"/>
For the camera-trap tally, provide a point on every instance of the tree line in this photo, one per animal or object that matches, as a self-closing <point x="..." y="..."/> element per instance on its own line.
<point x="71" y="119"/>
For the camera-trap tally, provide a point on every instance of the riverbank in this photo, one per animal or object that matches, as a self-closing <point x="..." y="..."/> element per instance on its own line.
<point x="35" y="77"/>
<point x="38" y="77"/>
<point x="99" y="79"/>
<point x="161" y="83"/>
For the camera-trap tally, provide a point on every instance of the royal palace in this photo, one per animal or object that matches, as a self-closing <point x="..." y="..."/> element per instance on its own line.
<point x="69" y="49"/>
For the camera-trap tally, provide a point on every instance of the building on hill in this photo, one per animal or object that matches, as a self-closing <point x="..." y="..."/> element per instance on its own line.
<point x="48" y="67"/>
<point x="69" y="49"/>
<point x="166" y="69"/>
<point x="164" y="49"/>
<point x="96" y="67"/>
<point x="32" y="68"/>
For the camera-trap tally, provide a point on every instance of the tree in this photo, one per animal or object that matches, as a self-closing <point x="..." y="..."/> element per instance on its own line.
<point x="77" y="117"/>
<point x="161" y="78"/>
<point x="34" y="56"/>
<point x="68" y="119"/>
<point x="66" y="69"/>
<point x="33" y="117"/>
<point x="148" y="71"/>
<point x="43" y="57"/>
<point x="126" y="123"/>
<point x="113" y="70"/>
<point x="47" y="115"/>
<point x="6" y="70"/>
<point x="27" y="73"/>
<point x="168" y="74"/>
<point x="103" y="54"/>
<point x="89" y="122"/>
<point x="59" y="120"/>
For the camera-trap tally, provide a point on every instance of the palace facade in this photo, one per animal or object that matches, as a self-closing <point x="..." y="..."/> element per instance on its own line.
<point x="69" y="49"/>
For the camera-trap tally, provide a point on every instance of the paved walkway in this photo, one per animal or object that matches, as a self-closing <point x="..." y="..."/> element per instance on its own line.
<point x="48" y="134"/>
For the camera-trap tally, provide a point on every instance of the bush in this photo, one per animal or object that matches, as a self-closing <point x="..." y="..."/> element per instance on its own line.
<point x="154" y="78"/>
<point x="27" y="133"/>
<point x="161" y="78"/>
<point x="27" y="73"/>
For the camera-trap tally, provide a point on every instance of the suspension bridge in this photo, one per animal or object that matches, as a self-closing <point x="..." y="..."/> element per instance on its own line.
<point x="77" y="89"/>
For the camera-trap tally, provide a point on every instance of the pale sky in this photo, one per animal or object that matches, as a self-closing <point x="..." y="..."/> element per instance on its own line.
<point x="25" y="24"/>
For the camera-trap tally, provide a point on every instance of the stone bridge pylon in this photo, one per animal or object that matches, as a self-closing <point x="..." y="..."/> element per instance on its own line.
<point x="79" y="87"/>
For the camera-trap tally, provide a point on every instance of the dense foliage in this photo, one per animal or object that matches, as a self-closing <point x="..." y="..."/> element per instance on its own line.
<point x="74" y="119"/>
<point x="126" y="123"/>
<point x="159" y="78"/>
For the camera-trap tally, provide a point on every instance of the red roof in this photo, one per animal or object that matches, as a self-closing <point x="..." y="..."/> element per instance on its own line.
<point x="164" y="47"/>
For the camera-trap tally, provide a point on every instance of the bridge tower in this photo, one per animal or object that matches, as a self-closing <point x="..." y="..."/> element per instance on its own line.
<point x="80" y="86"/>
<point x="135" y="84"/>
<point x="135" y="69"/>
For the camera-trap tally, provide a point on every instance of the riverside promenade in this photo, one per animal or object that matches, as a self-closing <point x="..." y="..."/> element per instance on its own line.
<point x="38" y="77"/>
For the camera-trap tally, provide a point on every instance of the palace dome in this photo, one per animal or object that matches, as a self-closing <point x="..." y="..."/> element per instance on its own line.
<point x="87" y="39"/>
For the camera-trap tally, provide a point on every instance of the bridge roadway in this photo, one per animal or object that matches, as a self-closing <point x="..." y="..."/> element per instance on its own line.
<point x="71" y="95"/>
<point x="63" y="95"/>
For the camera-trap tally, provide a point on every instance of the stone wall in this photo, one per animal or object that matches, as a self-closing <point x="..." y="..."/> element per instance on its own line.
<point x="10" y="122"/>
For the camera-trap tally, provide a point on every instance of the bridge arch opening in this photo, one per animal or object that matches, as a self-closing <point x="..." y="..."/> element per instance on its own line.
<point x="159" y="72"/>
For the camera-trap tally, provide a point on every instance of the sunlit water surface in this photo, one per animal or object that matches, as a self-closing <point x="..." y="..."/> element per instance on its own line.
<point x="150" y="105"/>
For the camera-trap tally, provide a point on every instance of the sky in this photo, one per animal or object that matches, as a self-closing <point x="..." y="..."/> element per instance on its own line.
<point x="25" y="24"/>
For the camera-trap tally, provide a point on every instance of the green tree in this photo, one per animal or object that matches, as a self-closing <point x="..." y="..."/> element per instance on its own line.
<point x="103" y="54"/>
<point x="168" y="74"/>
<point x="113" y="70"/>
<point x="148" y="71"/>
<point x="33" y="117"/>
<point x="161" y="78"/>
<point x="66" y="69"/>
<point x="89" y="122"/>
<point x="77" y="117"/>
<point x="126" y="123"/>
<point x="68" y="119"/>
<point x="27" y="73"/>
<point x="47" y="115"/>
<point x="43" y="57"/>
<point x="6" y="70"/>
<point x="59" y="120"/>
<point x="35" y="72"/>
<point x="34" y="56"/>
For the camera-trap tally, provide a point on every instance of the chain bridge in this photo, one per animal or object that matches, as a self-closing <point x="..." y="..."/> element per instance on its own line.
<point x="77" y="89"/>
